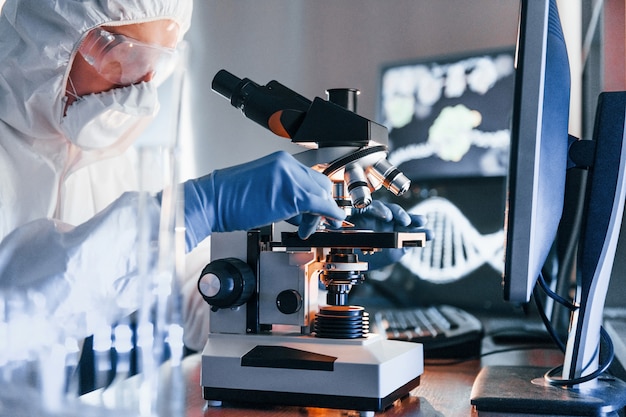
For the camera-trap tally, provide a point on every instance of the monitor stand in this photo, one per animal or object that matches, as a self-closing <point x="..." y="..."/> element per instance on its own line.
<point x="519" y="390"/>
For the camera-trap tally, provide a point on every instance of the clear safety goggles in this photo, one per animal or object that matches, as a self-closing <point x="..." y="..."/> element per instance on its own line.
<point x="123" y="60"/>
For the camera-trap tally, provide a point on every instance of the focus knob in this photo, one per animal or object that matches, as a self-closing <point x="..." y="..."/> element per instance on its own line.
<point x="289" y="301"/>
<point x="226" y="283"/>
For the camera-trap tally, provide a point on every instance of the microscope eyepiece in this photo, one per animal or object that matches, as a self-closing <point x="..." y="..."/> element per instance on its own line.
<point x="225" y="84"/>
<point x="344" y="97"/>
<point x="273" y="106"/>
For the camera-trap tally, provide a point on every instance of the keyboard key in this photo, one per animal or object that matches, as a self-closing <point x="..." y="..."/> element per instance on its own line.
<point x="445" y="331"/>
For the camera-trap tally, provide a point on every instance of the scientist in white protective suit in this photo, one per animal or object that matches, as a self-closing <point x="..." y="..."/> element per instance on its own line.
<point x="70" y="108"/>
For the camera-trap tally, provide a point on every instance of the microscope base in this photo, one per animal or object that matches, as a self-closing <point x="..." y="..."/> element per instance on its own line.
<point x="356" y="374"/>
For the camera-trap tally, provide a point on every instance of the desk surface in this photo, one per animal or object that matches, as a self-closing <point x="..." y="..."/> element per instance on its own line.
<point x="444" y="390"/>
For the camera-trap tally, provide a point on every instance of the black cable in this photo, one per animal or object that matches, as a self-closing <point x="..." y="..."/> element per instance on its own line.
<point x="578" y="209"/>
<point x="602" y="366"/>
<point x="443" y="362"/>
<point x="549" y="376"/>
<point x="546" y="322"/>
<point x="556" y="297"/>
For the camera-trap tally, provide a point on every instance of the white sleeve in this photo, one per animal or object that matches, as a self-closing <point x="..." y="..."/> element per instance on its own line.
<point x="82" y="275"/>
<point x="195" y="309"/>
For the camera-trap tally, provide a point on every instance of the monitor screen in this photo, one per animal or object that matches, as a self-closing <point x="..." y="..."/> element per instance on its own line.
<point x="539" y="142"/>
<point x="449" y="116"/>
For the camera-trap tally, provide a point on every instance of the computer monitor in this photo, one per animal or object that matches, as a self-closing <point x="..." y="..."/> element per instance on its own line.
<point x="541" y="152"/>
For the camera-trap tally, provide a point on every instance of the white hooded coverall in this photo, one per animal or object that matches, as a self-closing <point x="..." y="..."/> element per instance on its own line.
<point x="51" y="187"/>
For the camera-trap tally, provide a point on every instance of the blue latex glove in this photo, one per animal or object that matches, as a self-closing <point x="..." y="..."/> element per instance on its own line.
<point x="267" y="190"/>
<point x="386" y="217"/>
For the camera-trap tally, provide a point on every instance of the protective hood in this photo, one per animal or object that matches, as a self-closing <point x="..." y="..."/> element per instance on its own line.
<point x="38" y="42"/>
<point x="38" y="39"/>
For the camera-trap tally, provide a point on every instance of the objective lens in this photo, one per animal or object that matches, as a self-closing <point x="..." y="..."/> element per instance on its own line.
<point x="390" y="176"/>
<point x="341" y="197"/>
<point x="337" y="294"/>
<point x="358" y="187"/>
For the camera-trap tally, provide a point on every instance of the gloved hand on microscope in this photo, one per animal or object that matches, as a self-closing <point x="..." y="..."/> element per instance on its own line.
<point x="270" y="189"/>
<point x="274" y="188"/>
<point x="387" y="217"/>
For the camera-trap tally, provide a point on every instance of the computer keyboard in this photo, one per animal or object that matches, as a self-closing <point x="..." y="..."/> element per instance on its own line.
<point x="445" y="331"/>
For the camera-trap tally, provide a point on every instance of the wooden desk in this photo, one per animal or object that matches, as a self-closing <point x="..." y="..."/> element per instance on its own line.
<point x="444" y="390"/>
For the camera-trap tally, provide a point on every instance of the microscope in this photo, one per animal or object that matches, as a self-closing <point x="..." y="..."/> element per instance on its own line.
<point x="272" y="340"/>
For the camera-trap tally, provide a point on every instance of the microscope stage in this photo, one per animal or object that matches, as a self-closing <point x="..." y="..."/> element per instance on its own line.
<point x="366" y="374"/>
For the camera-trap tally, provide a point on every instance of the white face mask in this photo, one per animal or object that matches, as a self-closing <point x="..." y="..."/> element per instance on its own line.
<point x="113" y="118"/>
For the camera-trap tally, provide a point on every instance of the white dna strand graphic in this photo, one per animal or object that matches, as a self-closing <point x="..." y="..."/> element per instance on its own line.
<point x="456" y="249"/>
